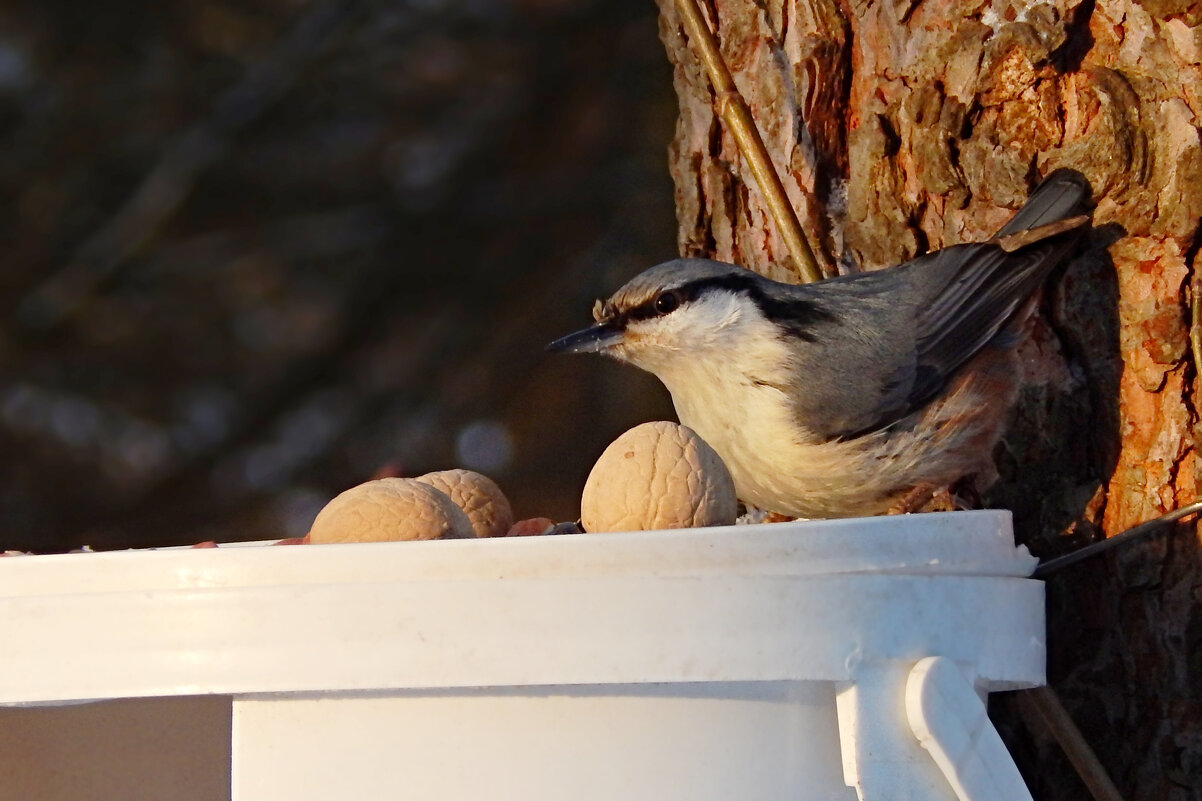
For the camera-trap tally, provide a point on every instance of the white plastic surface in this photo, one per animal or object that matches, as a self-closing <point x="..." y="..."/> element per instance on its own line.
<point x="947" y="716"/>
<point x="750" y="741"/>
<point x="604" y="656"/>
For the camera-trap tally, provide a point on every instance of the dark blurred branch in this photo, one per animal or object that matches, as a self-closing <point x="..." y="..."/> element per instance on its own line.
<point x="397" y="234"/>
<point x="1043" y="704"/>
<point x="381" y="293"/>
<point x="499" y="344"/>
<point x="171" y="180"/>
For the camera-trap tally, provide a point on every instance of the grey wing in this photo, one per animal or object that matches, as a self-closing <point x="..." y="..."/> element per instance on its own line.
<point x="1062" y="194"/>
<point x="988" y="288"/>
<point x="856" y="366"/>
<point x="914" y="325"/>
<point x="981" y="286"/>
<point x="899" y="334"/>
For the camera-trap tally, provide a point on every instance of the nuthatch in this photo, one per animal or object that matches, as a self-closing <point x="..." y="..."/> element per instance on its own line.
<point x="840" y="397"/>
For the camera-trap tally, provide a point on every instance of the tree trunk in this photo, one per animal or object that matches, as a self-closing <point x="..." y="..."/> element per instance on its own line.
<point x="902" y="127"/>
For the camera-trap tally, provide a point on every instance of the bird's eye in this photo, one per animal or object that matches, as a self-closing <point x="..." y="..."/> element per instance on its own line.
<point x="666" y="302"/>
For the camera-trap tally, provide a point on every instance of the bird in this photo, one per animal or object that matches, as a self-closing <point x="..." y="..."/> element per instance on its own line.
<point x="853" y="395"/>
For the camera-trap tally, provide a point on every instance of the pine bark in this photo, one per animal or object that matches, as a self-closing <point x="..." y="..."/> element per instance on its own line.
<point x="902" y="127"/>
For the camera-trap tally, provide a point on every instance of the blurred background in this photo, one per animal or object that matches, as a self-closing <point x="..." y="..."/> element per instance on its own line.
<point x="256" y="252"/>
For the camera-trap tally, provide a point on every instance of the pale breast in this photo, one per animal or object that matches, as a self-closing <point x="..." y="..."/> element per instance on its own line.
<point x="749" y="423"/>
<point x="776" y="467"/>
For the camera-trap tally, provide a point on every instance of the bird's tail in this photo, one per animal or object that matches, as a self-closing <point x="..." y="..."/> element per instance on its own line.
<point x="1063" y="194"/>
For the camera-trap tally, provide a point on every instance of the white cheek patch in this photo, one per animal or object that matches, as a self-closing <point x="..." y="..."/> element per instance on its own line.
<point x="713" y="326"/>
<point x="718" y="311"/>
<point x="700" y="324"/>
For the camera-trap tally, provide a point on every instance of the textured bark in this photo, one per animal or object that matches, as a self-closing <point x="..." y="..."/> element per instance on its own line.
<point x="901" y="127"/>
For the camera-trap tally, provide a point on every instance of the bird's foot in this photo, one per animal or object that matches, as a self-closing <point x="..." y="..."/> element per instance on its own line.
<point x="925" y="498"/>
<point x="752" y="514"/>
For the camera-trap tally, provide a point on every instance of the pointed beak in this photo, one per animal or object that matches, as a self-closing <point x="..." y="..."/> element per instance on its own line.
<point x="594" y="339"/>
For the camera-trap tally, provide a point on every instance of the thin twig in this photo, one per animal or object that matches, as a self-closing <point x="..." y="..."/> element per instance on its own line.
<point x="1044" y="703"/>
<point x="1043" y="700"/>
<point x="1029" y="236"/>
<point x="1130" y="535"/>
<point x="737" y="116"/>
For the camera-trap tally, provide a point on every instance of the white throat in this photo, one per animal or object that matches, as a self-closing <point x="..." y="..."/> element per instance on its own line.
<point x="730" y="375"/>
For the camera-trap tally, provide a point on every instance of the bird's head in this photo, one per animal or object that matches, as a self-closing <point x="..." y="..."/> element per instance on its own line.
<point x="682" y="309"/>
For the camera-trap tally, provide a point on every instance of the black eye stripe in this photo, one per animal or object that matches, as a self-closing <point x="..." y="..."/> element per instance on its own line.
<point x="795" y="315"/>
<point x="682" y="294"/>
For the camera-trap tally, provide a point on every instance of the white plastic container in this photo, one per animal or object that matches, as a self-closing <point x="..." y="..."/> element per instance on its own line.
<point x="785" y="661"/>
